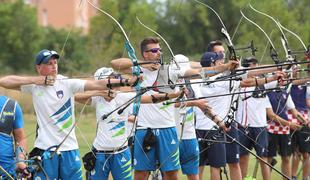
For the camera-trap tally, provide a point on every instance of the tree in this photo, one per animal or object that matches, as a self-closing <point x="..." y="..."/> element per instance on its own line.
<point x="106" y="40"/>
<point x="19" y="36"/>
<point x="70" y="45"/>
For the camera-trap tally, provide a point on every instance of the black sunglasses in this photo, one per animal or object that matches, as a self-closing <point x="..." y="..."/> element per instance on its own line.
<point x="154" y="50"/>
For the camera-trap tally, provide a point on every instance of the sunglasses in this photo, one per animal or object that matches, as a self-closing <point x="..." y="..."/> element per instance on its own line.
<point x="154" y="50"/>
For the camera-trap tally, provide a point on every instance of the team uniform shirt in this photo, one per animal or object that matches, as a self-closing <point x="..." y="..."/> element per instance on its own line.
<point x="252" y="111"/>
<point x="54" y="106"/>
<point x="156" y="115"/>
<point x="185" y="123"/>
<point x="130" y="126"/>
<point x="130" y="129"/>
<point x="280" y="102"/>
<point x="299" y="95"/>
<point x="111" y="132"/>
<point x="6" y="141"/>
<point x="220" y="105"/>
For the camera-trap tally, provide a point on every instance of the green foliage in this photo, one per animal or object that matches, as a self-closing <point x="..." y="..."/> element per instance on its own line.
<point x="189" y="26"/>
<point x="74" y="58"/>
<point x="106" y="40"/>
<point x="186" y="25"/>
<point x="20" y="36"/>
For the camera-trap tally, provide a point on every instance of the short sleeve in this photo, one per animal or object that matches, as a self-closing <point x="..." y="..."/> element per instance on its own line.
<point x="289" y="103"/>
<point x="77" y="85"/>
<point x="271" y="85"/>
<point x="27" y="88"/>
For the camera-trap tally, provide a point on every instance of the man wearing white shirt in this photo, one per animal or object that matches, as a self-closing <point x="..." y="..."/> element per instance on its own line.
<point x="53" y="101"/>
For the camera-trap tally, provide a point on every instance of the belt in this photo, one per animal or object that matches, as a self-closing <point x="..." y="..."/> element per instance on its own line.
<point x="110" y="151"/>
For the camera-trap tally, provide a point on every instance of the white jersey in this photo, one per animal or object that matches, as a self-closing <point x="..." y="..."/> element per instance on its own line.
<point x="111" y="132"/>
<point x="252" y="112"/>
<point x="220" y="105"/>
<point x="156" y="115"/>
<point x="54" y="107"/>
<point x="185" y="123"/>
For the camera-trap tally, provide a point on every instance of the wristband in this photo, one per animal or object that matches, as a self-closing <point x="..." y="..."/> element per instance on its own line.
<point x="166" y="97"/>
<point x="45" y="80"/>
<point x="109" y="85"/>
<point x="154" y="99"/>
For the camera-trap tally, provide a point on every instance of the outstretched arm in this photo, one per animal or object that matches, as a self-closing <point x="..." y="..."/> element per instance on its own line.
<point x="15" y="82"/>
<point x="122" y="64"/>
<point x="156" y="98"/>
<point x="260" y="81"/>
<point x="105" y="84"/>
<point x="210" y="71"/>
<point x="85" y="96"/>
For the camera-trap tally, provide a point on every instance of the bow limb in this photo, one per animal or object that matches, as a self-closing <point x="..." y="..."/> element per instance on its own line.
<point x="294" y="34"/>
<point x="217" y="15"/>
<point x="284" y="41"/>
<point x="223" y="31"/>
<point x="283" y="37"/>
<point x="131" y="53"/>
<point x="245" y="17"/>
<point x="274" y="53"/>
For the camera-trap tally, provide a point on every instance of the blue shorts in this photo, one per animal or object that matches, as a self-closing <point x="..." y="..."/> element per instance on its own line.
<point x="257" y="134"/>
<point x="165" y="151"/>
<point x="232" y="149"/>
<point x="67" y="165"/>
<point x="118" y="164"/>
<point x="189" y="156"/>
<point x="211" y="153"/>
<point x="10" y="168"/>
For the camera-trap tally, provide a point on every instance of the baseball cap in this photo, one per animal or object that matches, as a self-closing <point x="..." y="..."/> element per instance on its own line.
<point x="44" y="55"/>
<point x="210" y="57"/>
<point x="182" y="61"/>
<point x="246" y="61"/>
<point x="103" y="73"/>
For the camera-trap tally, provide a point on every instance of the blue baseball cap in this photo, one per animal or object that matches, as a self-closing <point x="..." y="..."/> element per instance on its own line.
<point x="210" y="57"/>
<point x="44" y="55"/>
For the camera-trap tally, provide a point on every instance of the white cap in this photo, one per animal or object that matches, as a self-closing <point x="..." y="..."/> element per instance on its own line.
<point x="103" y="73"/>
<point x="182" y="61"/>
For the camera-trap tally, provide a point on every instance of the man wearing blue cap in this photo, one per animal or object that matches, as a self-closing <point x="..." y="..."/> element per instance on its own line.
<point x="221" y="106"/>
<point x="53" y="100"/>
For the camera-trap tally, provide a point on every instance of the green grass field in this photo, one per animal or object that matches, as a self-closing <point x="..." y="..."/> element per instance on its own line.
<point x="85" y="132"/>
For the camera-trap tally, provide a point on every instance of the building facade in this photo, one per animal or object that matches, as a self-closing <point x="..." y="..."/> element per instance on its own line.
<point x="64" y="13"/>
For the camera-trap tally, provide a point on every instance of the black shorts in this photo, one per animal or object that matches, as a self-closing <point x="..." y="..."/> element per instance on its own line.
<point x="301" y="140"/>
<point x="232" y="149"/>
<point x="280" y="143"/>
<point x="256" y="137"/>
<point x="210" y="152"/>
